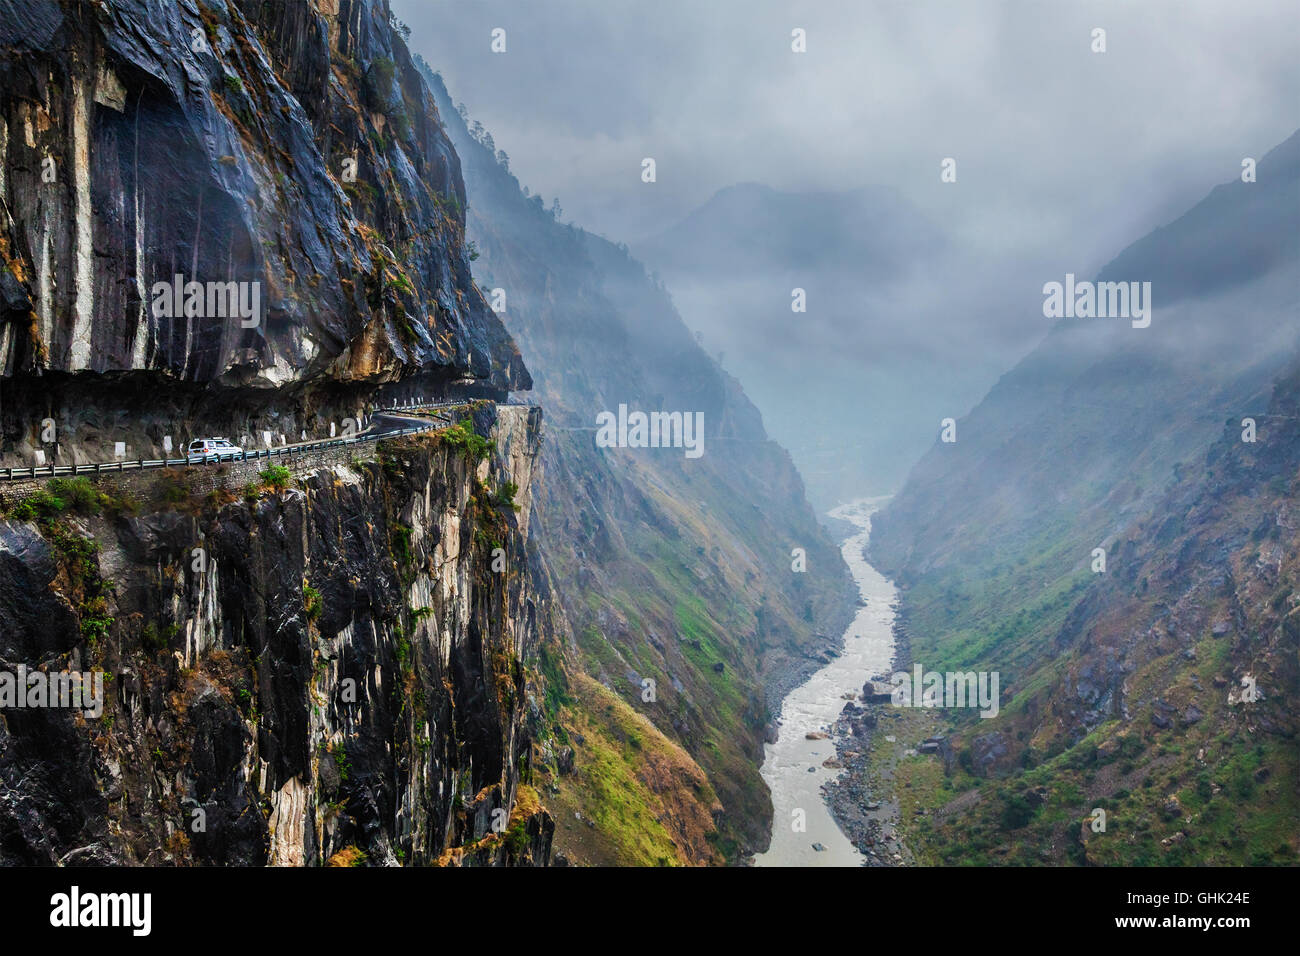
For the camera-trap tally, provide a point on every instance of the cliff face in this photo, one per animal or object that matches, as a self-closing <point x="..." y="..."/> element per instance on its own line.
<point x="689" y="617"/>
<point x="1122" y="687"/>
<point x="334" y="665"/>
<point x="338" y="674"/>
<point x="290" y="149"/>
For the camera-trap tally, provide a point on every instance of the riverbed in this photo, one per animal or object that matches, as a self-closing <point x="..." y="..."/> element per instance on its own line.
<point x="813" y="707"/>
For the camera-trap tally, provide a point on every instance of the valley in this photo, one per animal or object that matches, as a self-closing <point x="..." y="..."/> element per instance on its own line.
<point x="781" y="509"/>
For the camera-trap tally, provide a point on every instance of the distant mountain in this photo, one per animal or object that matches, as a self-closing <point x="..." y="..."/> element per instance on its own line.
<point x="871" y="233"/>
<point x="675" y="573"/>
<point x="1122" y="688"/>
<point x="1239" y="233"/>
<point x="1090" y="424"/>
<point x="878" y="357"/>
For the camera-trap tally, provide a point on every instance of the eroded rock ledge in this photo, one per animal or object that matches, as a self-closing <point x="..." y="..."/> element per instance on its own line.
<point x="338" y="675"/>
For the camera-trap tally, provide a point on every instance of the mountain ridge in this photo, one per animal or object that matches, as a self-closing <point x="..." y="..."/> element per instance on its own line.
<point x="1106" y="440"/>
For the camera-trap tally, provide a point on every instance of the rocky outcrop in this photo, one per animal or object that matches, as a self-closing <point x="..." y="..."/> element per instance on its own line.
<point x="290" y="149"/>
<point x="333" y="672"/>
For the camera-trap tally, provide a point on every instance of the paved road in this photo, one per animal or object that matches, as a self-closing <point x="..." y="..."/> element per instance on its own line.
<point x="384" y="423"/>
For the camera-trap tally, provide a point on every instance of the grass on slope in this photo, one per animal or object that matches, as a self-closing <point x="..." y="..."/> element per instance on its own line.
<point x="649" y="802"/>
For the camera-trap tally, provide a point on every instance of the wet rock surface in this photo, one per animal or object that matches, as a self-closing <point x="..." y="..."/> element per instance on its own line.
<point x="291" y="149"/>
<point x="338" y="670"/>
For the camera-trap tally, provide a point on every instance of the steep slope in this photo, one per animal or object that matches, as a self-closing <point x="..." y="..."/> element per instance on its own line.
<point x="1118" y="682"/>
<point x="1168" y="704"/>
<point x="337" y="663"/>
<point x="326" y="669"/>
<point x="1088" y="426"/>
<point x="287" y="149"/>
<point x="672" y="569"/>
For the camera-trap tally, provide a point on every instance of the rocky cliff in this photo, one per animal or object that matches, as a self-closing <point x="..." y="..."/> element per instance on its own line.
<point x="334" y="669"/>
<point x="332" y="665"/>
<point x="290" y="149"/>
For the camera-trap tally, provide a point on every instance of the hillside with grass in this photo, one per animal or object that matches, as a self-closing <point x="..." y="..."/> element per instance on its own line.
<point x="1121" y="689"/>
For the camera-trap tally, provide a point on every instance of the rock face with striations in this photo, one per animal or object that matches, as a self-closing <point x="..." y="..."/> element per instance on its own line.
<point x="338" y="675"/>
<point x="291" y="149"/>
<point x="333" y="666"/>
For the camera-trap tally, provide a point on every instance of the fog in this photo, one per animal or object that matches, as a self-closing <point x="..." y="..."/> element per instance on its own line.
<point x="920" y="292"/>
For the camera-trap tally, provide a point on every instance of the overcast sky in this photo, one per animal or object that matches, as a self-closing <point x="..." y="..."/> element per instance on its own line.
<point x="1064" y="157"/>
<point x="1056" y="146"/>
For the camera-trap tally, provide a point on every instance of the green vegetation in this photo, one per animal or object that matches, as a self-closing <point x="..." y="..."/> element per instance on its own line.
<point x="401" y="538"/>
<point x="311" y="601"/>
<point x="504" y="496"/>
<point x="399" y="281"/>
<point x="339" y="754"/>
<point x="95" y="619"/>
<point x="79" y="558"/>
<point x="381" y="74"/>
<point x="463" y="435"/>
<point x="401" y="124"/>
<point x="75" y="495"/>
<point x="1180" y="791"/>
<point x="78" y="555"/>
<point x="628" y="775"/>
<point x="450" y="202"/>
<point x="276" y="477"/>
<point x="405" y="662"/>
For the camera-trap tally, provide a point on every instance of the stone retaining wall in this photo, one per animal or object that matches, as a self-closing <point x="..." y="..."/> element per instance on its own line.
<point x="204" y="478"/>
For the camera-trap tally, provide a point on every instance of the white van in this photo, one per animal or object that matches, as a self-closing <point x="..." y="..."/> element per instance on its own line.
<point x="212" y="449"/>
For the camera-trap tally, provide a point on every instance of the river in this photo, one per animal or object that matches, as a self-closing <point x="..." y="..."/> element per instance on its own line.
<point x="814" y="706"/>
